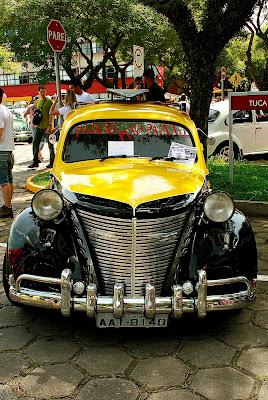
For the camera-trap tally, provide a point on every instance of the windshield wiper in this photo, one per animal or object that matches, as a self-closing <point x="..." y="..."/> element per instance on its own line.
<point x="118" y="156"/>
<point x="163" y="158"/>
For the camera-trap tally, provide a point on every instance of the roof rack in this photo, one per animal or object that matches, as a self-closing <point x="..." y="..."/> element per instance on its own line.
<point x="127" y="94"/>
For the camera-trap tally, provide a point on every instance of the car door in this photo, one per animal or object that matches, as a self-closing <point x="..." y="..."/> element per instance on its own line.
<point x="261" y="127"/>
<point x="244" y="130"/>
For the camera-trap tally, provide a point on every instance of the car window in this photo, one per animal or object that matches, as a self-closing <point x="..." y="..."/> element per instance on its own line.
<point x="261" y="115"/>
<point x="213" y="115"/>
<point x="97" y="139"/>
<point x="242" y="116"/>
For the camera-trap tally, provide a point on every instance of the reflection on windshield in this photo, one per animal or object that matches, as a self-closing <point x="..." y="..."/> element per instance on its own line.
<point x="96" y="140"/>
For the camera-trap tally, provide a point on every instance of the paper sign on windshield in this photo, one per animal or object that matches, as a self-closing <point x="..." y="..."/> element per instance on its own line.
<point x="119" y="148"/>
<point x="182" y="152"/>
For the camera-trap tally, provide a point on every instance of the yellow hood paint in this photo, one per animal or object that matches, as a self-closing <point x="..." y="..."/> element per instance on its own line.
<point x="132" y="181"/>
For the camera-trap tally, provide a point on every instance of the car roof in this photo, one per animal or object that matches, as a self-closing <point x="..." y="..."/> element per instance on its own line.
<point x="129" y="110"/>
<point x="220" y="105"/>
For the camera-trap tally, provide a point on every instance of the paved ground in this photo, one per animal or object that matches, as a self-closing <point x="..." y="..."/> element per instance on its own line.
<point x="43" y="356"/>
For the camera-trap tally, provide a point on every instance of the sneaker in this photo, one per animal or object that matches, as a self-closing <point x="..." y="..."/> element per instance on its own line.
<point x="33" y="165"/>
<point x="49" y="165"/>
<point x="6" y="212"/>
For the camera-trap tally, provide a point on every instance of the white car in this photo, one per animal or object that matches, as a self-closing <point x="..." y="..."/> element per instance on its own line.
<point x="250" y="131"/>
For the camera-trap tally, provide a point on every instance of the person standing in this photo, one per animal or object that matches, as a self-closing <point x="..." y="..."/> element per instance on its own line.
<point x="43" y="103"/>
<point x="156" y="93"/>
<point x="69" y="105"/>
<point x="81" y="96"/>
<point x="184" y="104"/>
<point x="6" y="158"/>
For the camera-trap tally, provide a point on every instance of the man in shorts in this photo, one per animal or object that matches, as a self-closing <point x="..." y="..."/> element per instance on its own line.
<point x="6" y="158"/>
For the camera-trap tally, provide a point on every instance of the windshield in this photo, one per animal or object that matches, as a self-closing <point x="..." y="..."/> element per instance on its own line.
<point x="101" y="139"/>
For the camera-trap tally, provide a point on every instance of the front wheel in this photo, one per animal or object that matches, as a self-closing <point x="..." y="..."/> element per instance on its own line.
<point x="223" y="151"/>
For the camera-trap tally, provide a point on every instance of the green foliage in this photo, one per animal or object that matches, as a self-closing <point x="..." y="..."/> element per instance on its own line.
<point x="7" y="62"/>
<point x="115" y="24"/>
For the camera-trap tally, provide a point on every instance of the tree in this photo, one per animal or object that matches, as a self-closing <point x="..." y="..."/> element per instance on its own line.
<point x="204" y="28"/>
<point x="258" y="65"/>
<point x="115" y="24"/>
<point x="7" y="62"/>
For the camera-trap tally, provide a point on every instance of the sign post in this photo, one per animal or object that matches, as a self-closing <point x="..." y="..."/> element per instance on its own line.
<point x="56" y="37"/>
<point x="243" y="101"/>
<point x="223" y="76"/>
<point x="138" y="61"/>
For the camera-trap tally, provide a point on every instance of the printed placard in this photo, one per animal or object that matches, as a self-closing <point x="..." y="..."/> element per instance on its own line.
<point x="182" y="152"/>
<point x="120" y="148"/>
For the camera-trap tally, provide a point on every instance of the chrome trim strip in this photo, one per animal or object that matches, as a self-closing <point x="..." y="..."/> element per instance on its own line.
<point x="149" y="301"/>
<point x="177" y="302"/>
<point x="66" y="286"/>
<point x="118" y="300"/>
<point x="91" y="304"/>
<point x="133" y="256"/>
<point x="149" y="305"/>
<point x="202" y="294"/>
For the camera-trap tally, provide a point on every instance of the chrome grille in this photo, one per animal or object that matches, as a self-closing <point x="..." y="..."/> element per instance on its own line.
<point x="132" y="251"/>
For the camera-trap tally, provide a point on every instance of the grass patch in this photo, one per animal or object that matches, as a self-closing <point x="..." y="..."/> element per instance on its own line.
<point x="250" y="180"/>
<point x="42" y="179"/>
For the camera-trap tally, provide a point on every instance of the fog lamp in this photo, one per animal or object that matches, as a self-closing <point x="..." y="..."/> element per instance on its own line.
<point x="187" y="287"/>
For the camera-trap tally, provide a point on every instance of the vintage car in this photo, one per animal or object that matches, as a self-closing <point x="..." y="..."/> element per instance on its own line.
<point x="130" y="232"/>
<point x="250" y="131"/>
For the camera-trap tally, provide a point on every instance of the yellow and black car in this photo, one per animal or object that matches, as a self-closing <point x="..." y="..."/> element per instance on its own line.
<point x="130" y="232"/>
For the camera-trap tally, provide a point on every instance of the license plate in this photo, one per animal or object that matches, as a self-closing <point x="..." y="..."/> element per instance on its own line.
<point x="131" y="321"/>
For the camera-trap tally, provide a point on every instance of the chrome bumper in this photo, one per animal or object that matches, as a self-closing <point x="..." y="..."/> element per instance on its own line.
<point x="149" y="305"/>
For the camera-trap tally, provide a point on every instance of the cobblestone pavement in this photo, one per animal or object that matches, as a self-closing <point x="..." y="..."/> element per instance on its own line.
<point x="43" y="356"/>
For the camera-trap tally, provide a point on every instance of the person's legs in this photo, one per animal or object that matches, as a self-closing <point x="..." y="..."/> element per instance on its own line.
<point x="51" y="152"/>
<point x="6" y="182"/>
<point x="38" y="135"/>
<point x="7" y="191"/>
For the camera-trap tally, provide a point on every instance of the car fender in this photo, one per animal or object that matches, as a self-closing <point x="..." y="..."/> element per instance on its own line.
<point x="226" y="249"/>
<point x="221" y="137"/>
<point x="25" y="230"/>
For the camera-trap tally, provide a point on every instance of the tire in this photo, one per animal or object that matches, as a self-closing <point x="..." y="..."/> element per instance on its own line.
<point x="223" y="151"/>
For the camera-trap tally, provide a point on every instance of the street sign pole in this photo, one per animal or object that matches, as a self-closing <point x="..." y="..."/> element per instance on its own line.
<point x="57" y="73"/>
<point x="231" y="145"/>
<point x="56" y="37"/>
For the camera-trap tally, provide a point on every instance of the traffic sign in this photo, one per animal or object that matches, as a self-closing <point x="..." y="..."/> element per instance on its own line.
<point x="56" y="36"/>
<point x="138" y="61"/>
<point x="235" y="79"/>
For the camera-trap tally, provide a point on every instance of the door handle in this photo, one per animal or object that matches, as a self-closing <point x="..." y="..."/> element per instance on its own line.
<point x="258" y="127"/>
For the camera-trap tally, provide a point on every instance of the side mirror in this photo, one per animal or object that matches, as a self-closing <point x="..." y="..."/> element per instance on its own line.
<point x="211" y="141"/>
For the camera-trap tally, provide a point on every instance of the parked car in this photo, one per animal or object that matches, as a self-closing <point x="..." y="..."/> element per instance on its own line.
<point x="22" y="132"/>
<point x="130" y="232"/>
<point x="250" y="131"/>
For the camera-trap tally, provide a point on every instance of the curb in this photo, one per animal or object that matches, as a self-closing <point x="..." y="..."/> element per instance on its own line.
<point x="32" y="187"/>
<point x="254" y="208"/>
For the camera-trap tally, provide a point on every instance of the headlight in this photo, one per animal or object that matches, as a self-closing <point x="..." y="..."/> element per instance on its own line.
<point x="218" y="207"/>
<point x="47" y="204"/>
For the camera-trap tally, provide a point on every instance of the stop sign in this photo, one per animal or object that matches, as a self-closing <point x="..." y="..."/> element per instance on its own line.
<point x="56" y="36"/>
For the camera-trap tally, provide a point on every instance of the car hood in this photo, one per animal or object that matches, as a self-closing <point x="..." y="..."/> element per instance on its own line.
<point x="132" y="183"/>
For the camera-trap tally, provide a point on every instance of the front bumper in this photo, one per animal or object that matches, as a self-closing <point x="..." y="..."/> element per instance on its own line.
<point x="149" y="305"/>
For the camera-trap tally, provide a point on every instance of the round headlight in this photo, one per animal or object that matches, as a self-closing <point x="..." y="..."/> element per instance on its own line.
<point x="47" y="204"/>
<point x="219" y="207"/>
